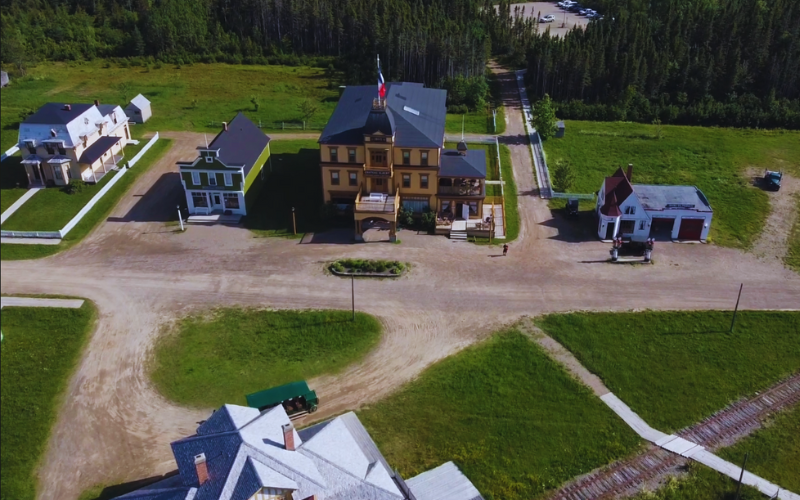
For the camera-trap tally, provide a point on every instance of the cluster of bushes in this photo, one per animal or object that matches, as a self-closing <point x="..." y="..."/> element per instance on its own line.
<point x="368" y="266"/>
<point x="425" y="222"/>
<point x="465" y="93"/>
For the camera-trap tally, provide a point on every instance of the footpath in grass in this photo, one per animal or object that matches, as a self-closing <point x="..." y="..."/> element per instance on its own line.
<point x="676" y="368"/>
<point x="511" y="207"/>
<point x="514" y="422"/>
<point x="774" y="455"/>
<point x="713" y="159"/>
<point x="40" y="350"/>
<point x="218" y="358"/>
<point x="97" y="214"/>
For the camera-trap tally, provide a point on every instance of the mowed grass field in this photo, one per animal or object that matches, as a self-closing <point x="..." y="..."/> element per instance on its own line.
<point x="35" y="217"/>
<point x="218" y="358"/>
<point x="676" y="368"/>
<point x="713" y="159"/>
<point x="514" y="422"/>
<point x="774" y="455"/>
<point x="191" y="97"/>
<point x="40" y="350"/>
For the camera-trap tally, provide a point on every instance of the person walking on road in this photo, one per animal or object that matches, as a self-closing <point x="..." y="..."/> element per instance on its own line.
<point x="505" y="249"/>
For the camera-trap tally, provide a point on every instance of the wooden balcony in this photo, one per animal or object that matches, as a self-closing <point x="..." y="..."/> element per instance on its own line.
<point x="376" y="205"/>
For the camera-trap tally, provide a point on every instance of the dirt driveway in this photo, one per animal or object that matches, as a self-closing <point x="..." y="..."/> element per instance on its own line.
<point x="114" y="427"/>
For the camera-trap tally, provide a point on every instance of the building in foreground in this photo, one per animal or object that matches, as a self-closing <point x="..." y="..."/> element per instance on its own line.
<point x="228" y="174"/>
<point x="641" y="211"/>
<point x="380" y="154"/>
<point x="63" y="142"/>
<point x="243" y="454"/>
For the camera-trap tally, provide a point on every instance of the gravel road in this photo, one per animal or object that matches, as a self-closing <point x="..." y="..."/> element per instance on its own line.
<point x="143" y="275"/>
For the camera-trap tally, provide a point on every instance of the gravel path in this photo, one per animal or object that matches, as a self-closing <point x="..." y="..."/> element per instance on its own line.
<point x="143" y="275"/>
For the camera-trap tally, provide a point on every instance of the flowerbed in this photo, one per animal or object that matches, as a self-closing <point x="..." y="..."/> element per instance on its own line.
<point x="364" y="267"/>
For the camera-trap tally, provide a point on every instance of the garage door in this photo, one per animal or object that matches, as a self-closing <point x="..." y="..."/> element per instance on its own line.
<point x="691" y="229"/>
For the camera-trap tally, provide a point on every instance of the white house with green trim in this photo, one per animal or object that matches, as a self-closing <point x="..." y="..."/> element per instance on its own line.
<point x="227" y="176"/>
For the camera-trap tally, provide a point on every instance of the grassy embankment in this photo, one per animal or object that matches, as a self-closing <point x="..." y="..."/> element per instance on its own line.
<point x="676" y="368"/>
<point x="514" y="422"/>
<point x="793" y="256"/>
<point x="36" y="213"/>
<point x="774" y="455"/>
<point x="220" y="357"/>
<point x="41" y="348"/>
<point x="713" y="159"/>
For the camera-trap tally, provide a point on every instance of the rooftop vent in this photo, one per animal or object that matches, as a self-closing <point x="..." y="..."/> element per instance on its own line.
<point x="462" y="148"/>
<point x="97" y="102"/>
<point x="411" y="110"/>
<point x="53" y="132"/>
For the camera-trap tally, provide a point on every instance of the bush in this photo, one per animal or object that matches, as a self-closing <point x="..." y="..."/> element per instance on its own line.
<point x="74" y="187"/>
<point x="458" y="109"/>
<point x="368" y="266"/>
<point x="429" y="220"/>
<point x="563" y="176"/>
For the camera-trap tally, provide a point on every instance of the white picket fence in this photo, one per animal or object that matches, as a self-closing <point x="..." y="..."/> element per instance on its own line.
<point x="96" y="198"/>
<point x="11" y="151"/>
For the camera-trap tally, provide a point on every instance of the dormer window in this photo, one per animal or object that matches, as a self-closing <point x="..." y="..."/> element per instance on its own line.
<point x="31" y="147"/>
<point x="209" y="159"/>
<point x="114" y="117"/>
<point x="50" y="149"/>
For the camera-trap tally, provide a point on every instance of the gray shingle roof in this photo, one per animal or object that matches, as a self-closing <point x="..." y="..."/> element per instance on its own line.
<point x="445" y="482"/>
<point x="140" y="102"/>
<point x="96" y="150"/>
<point x="418" y="114"/>
<point x="54" y="113"/>
<point x="453" y="164"/>
<point x="106" y="109"/>
<point x="241" y="144"/>
<point x="653" y="197"/>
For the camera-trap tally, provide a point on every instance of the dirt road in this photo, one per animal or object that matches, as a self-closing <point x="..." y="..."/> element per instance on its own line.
<point x="142" y="275"/>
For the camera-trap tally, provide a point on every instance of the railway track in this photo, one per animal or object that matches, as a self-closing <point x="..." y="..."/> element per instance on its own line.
<point x="625" y="478"/>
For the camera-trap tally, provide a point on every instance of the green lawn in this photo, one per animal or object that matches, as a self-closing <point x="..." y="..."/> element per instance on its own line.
<point x="12" y="181"/>
<point x="40" y="350"/>
<point x="510" y="195"/>
<point x="9" y="196"/>
<point x="774" y="455"/>
<point x="713" y="159"/>
<point x="220" y="357"/>
<point x="476" y="122"/>
<point x="676" y="368"/>
<point x="98" y="213"/>
<point x="793" y="255"/>
<point x="514" y="422"/>
<point x="293" y="180"/>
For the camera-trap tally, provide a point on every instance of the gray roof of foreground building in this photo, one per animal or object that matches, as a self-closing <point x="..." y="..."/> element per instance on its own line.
<point x="245" y="452"/>
<point x="416" y="114"/>
<point x="657" y="197"/>
<point x="98" y="149"/>
<point x="445" y="482"/>
<point x="241" y="144"/>
<point x="472" y="164"/>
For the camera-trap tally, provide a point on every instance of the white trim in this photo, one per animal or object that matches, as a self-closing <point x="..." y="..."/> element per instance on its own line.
<point x="196" y="178"/>
<point x="228" y="178"/>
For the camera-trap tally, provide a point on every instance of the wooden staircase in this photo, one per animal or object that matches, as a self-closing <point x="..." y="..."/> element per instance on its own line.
<point x="458" y="230"/>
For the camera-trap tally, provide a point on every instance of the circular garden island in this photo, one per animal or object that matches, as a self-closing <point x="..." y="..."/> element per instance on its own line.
<point x="368" y="268"/>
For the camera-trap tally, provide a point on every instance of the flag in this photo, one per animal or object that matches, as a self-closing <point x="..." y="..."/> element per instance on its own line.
<point x="381" y="83"/>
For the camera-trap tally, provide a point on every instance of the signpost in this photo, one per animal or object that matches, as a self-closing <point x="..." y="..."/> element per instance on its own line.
<point x="736" y="310"/>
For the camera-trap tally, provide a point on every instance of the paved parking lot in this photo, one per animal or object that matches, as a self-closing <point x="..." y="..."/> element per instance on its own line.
<point x="564" y="22"/>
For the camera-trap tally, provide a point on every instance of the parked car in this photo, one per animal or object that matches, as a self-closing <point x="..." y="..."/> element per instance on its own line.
<point x="572" y="206"/>
<point x="549" y="18"/>
<point x="295" y="397"/>
<point x="772" y="180"/>
<point x="576" y="7"/>
<point x="566" y="4"/>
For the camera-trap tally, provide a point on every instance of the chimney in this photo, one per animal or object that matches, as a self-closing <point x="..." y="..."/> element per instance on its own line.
<point x="462" y="148"/>
<point x="225" y="126"/>
<point x="97" y="102"/>
<point x="288" y="436"/>
<point x="67" y="107"/>
<point x="630" y="171"/>
<point x="201" y="467"/>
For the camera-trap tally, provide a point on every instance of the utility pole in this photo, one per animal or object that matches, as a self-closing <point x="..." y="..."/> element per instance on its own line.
<point x="353" y="294"/>
<point x="736" y="310"/>
<point x="741" y="475"/>
<point x="294" y="223"/>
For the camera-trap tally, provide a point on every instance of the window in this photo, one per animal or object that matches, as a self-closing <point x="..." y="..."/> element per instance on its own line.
<point x="416" y="205"/>
<point x="406" y="157"/>
<point x="630" y="210"/>
<point x="351" y="155"/>
<point x="641" y="225"/>
<point x="228" y="179"/>
<point x="406" y="180"/>
<point x="114" y="117"/>
<point x="231" y="200"/>
<point x="209" y="159"/>
<point x="445" y="205"/>
<point x="31" y="147"/>
<point x="627" y="226"/>
<point x="353" y="178"/>
<point x="69" y="173"/>
<point x="196" y="178"/>
<point x="378" y="158"/>
<point x="57" y="172"/>
<point x="212" y="179"/>
<point x="423" y="157"/>
<point x="50" y="149"/>
<point x="334" y="177"/>
<point x="62" y="150"/>
<point x="473" y="208"/>
<point x="199" y="199"/>
<point x="423" y="181"/>
<point x="334" y="155"/>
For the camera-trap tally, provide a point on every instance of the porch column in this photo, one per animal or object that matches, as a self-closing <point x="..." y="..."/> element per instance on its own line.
<point x="393" y="231"/>
<point x="616" y="225"/>
<point x="94" y="177"/>
<point x="103" y="163"/>
<point x="359" y="235"/>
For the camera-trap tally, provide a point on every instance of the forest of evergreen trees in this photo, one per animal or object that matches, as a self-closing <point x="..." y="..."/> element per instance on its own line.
<point x="709" y="62"/>
<point x="723" y="62"/>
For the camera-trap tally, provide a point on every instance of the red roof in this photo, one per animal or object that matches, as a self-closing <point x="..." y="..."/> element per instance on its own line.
<point x="618" y="188"/>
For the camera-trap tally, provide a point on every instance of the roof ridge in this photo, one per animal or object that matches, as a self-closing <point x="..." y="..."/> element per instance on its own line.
<point x="259" y="455"/>
<point x="361" y="479"/>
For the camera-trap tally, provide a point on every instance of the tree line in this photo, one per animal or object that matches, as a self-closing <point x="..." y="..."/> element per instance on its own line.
<point x="727" y="62"/>
<point x="421" y="40"/>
